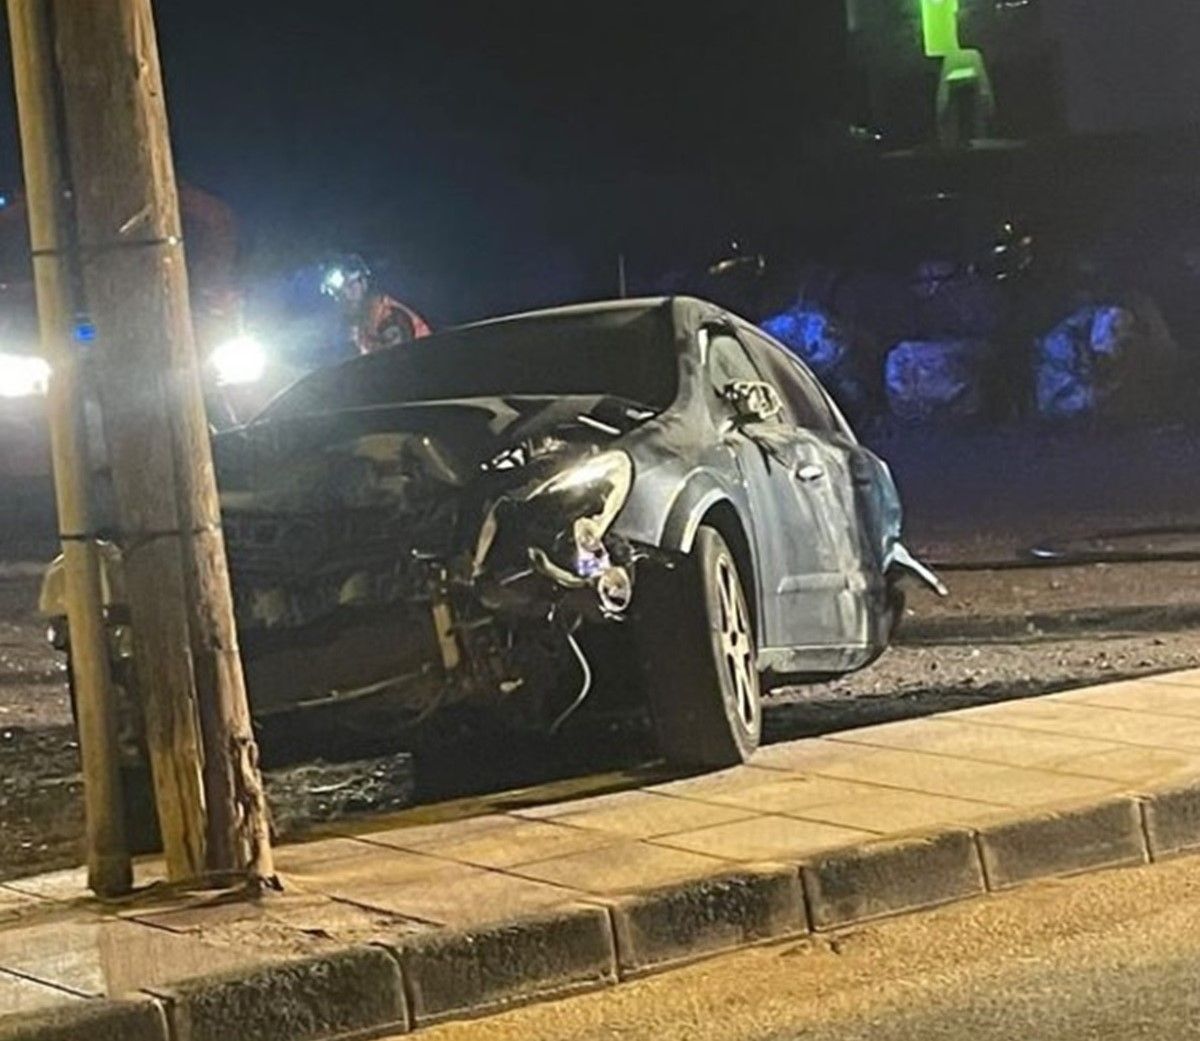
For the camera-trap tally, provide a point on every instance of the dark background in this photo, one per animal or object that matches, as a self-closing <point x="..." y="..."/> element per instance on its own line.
<point x="491" y="155"/>
<point x="488" y="157"/>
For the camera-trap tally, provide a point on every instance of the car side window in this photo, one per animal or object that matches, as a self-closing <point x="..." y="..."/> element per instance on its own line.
<point x="803" y="394"/>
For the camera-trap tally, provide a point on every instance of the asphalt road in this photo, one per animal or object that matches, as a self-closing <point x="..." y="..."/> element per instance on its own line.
<point x="1114" y="955"/>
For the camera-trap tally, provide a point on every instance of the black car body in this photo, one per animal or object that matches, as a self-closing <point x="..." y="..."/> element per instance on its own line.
<point x="447" y="521"/>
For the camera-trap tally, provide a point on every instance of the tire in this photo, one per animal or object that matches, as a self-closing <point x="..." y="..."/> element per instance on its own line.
<point x="897" y="602"/>
<point x="697" y="649"/>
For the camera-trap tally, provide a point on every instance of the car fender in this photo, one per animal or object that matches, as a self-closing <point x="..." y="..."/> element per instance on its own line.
<point x="700" y="492"/>
<point x="696" y="497"/>
<point x="703" y="490"/>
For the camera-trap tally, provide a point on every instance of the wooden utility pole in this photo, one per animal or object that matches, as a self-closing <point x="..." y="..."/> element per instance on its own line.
<point x="50" y="226"/>
<point x="203" y="754"/>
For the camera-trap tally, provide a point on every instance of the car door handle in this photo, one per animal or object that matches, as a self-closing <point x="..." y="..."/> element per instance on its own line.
<point x="810" y="472"/>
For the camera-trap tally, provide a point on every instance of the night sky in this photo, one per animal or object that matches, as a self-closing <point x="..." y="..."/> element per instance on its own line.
<point x="489" y="154"/>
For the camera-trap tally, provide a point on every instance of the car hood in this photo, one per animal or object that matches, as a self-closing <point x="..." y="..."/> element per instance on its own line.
<point x="359" y="457"/>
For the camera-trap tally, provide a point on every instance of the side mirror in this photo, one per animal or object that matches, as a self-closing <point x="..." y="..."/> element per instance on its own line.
<point x="753" y="401"/>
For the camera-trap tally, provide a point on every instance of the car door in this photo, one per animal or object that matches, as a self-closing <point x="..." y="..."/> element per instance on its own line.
<point x="832" y="469"/>
<point x="798" y="563"/>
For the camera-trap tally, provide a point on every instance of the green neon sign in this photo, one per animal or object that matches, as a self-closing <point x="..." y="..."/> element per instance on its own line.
<point x="961" y="67"/>
<point x="939" y="18"/>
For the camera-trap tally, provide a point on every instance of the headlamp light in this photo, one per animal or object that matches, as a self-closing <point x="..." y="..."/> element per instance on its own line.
<point x="239" y="361"/>
<point x="23" y="376"/>
<point x="334" y="283"/>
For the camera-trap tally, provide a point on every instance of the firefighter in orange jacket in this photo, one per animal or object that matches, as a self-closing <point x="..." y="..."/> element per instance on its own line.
<point x="377" y="320"/>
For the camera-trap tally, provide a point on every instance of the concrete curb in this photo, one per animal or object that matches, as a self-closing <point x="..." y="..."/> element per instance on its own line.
<point x="392" y="987"/>
<point x="1108" y="834"/>
<point x="89" y="1021"/>
<point x="883" y="878"/>
<point x="484" y="970"/>
<point x="696" y="919"/>
<point x="346" y="994"/>
<point x="1172" y="819"/>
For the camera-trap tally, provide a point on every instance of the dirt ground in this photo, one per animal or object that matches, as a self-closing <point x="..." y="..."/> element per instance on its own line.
<point x="1001" y="634"/>
<point x="1010" y="634"/>
<point x="988" y="493"/>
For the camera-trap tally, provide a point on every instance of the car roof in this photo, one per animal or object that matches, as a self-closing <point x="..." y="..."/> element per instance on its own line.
<point x="640" y="304"/>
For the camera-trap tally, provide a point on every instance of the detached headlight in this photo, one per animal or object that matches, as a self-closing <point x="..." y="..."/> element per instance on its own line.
<point x="577" y="507"/>
<point x="595" y="487"/>
<point x="562" y="519"/>
<point x="239" y="361"/>
<point x="23" y="376"/>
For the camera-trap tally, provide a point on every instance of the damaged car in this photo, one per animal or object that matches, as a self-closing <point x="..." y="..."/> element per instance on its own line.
<point x="452" y="521"/>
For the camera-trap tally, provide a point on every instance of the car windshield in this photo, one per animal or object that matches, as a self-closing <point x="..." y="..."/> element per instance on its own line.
<point x="624" y="353"/>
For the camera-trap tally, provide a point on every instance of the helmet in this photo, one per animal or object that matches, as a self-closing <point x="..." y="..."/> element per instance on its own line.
<point x="341" y="273"/>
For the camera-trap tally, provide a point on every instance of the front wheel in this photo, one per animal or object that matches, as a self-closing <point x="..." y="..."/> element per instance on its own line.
<point x="699" y="658"/>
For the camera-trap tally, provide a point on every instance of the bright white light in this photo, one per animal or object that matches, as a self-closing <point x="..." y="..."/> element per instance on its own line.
<point x="335" y="281"/>
<point x="23" y="376"/>
<point x="240" y="360"/>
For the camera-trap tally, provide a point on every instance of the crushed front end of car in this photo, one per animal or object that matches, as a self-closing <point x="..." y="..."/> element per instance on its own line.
<point x="392" y="563"/>
<point x="414" y="558"/>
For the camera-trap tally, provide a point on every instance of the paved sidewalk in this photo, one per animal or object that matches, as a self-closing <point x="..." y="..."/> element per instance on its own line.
<point x="1022" y="789"/>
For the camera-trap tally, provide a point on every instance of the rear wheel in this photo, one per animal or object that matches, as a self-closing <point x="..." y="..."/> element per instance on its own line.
<point x="699" y="658"/>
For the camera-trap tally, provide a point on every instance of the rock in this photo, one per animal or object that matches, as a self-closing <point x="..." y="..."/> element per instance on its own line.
<point x="1105" y="359"/>
<point x="937" y="379"/>
<point x="839" y="359"/>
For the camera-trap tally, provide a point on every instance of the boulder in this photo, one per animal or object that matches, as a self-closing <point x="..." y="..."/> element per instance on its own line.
<point x="930" y="380"/>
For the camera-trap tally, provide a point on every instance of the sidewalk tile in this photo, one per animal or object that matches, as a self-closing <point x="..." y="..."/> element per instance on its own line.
<point x="110" y="958"/>
<point x="70" y="884"/>
<point x="336" y="864"/>
<point x="962" y="778"/>
<point x="459" y="895"/>
<point x="19" y="995"/>
<point x="810" y="756"/>
<point x="636" y="815"/>
<point x="615" y="869"/>
<point x="790" y="794"/>
<point x="900" y="733"/>
<point x="765" y="839"/>
<point x="416" y="835"/>
<point x="988" y="764"/>
<point x="1080" y="719"/>
<point x="1134" y="766"/>
<point x="1186" y="678"/>
<point x="14" y="905"/>
<point x="704" y="786"/>
<point x="1140" y="696"/>
<point x="291" y="923"/>
<point x="310" y="855"/>
<point x="891" y="812"/>
<point x="948" y="736"/>
<point x="510" y="841"/>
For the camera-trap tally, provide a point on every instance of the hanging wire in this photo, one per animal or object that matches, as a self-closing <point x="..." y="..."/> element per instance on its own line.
<point x="585" y="689"/>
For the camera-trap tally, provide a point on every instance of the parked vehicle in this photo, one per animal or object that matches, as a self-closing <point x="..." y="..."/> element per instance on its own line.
<point x="446" y="521"/>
